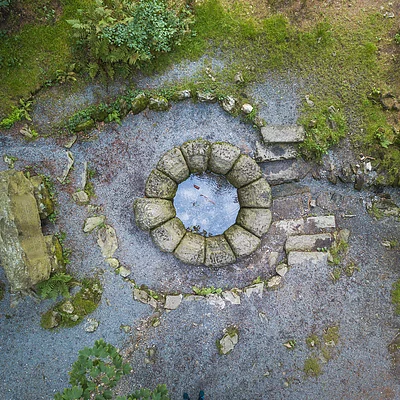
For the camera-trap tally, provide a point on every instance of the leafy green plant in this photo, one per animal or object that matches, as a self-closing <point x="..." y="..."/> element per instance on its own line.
<point x="206" y="290"/>
<point x="17" y="114"/>
<point x="57" y="285"/>
<point x="128" y="33"/>
<point x="397" y="38"/>
<point x="67" y="75"/>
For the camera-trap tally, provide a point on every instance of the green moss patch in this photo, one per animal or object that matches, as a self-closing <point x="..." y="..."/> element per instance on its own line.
<point x="396" y="296"/>
<point x="312" y="367"/>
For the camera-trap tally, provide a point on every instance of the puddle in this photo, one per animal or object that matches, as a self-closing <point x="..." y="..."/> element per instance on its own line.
<point x="207" y="204"/>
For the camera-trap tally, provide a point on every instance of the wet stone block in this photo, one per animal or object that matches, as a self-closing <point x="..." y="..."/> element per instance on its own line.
<point x="160" y="185"/>
<point x="150" y="213"/>
<point x="255" y="195"/>
<point x="191" y="249"/>
<point x="308" y="242"/>
<point x="197" y="153"/>
<point x="218" y="252"/>
<point x="245" y="171"/>
<point x="173" y="164"/>
<point x="168" y="236"/>
<point x="223" y="156"/>
<point x="255" y="220"/>
<point x="242" y="241"/>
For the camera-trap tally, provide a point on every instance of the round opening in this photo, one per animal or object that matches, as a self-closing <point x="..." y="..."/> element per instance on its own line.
<point x="207" y="204"/>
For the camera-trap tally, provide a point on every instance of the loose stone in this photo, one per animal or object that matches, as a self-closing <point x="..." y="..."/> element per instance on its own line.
<point x="274" y="281"/>
<point x="231" y="296"/>
<point x="124" y="272"/>
<point x="306" y="258"/>
<point x="150" y="213"/>
<point x="242" y="242"/>
<point x="160" y="185"/>
<point x="191" y="249"/>
<point x="197" y="153"/>
<point x="168" y="235"/>
<point x="247" y="108"/>
<point x="172" y="302"/>
<point x="206" y="97"/>
<point x="282" y="269"/>
<point x="257" y="289"/>
<point x="255" y="195"/>
<point x="92" y="223"/>
<point x="222" y="158"/>
<point x="244" y="171"/>
<point x="228" y="104"/>
<point x="91" y="325"/>
<point x="228" y="342"/>
<point x="144" y="297"/>
<point x="255" y="220"/>
<point x="81" y="197"/>
<point x="158" y="103"/>
<point x="308" y="242"/>
<point x="173" y="164"/>
<point x="107" y="240"/>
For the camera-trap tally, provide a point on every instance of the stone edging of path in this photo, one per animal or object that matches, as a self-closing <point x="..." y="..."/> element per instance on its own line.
<point x="156" y="212"/>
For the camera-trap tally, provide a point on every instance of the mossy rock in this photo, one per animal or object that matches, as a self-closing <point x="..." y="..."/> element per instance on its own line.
<point x="197" y="154"/>
<point x="158" y="103"/>
<point x="255" y="195"/>
<point x="85" y="126"/>
<point x="43" y="198"/>
<point x="173" y="164"/>
<point x="222" y="157"/>
<point x="160" y="185"/>
<point x="241" y="241"/>
<point x="139" y="103"/>
<point x="168" y="236"/>
<point x="191" y="249"/>
<point x="151" y="213"/>
<point x="218" y="252"/>
<point x="99" y="115"/>
<point x="245" y="171"/>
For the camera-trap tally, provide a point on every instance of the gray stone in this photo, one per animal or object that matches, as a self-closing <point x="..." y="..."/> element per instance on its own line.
<point x="255" y="220"/>
<point x="124" y="272"/>
<point x="232" y="296"/>
<point x="173" y="164"/>
<point x="290" y="226"/>
<point x="168" y="236"/>
<point x="247" y="108"/>
<point x="160" y="185"/>
<point x="139" y="103"/>
<point x="70" y="141"/>
<point x="228" y="104"/>
<point x="151" y="213"/>
<point x="23" y="250"/>
<point x="206" y="97"/>
<point x="142" y="296"/>
<point x="107" y="241"/>
<point x="285" y="171"/>
<point x="257" y="288"/>
<point x="283" y="133"/>
<point x="191" y="249"/>
<point x="215" y="301"/>
<point x="238" y="78"/>
<point x="218" y="252"/>
<point x="70" y="163"/>
<point x="113" y="262"/>
<point x="80" y="197"/>
<point x="91" y="325"/>
<point x="306" y="258"/>
<point x="244" y="171"/>
<point x="274" y="281"/>
<point x="255" y="195"/>
<point x="158" y="103"/>
<point x="274" y="152"/>
<point x="242" y="242"/>
<point x="322" y="222"/>
<point x="92" y="223"/>
<point x="196" y="153"/>
<point x="228" y="342"/>
<point x="172" y="302"/>
<point x="223" y="156"/>
<point x="308" y="242"/>
<point x="281" y="269"/>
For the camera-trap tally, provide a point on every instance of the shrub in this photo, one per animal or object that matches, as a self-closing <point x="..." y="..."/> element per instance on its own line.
<point x="124" y="33"/>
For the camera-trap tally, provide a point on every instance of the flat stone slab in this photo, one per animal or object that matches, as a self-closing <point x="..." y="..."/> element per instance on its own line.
<point x="322" y="222"/>
<point x="107" y="241"/>
<point x="218" y="252"/>
<point x="223" y="156"/>
<point x="242" y="242"/>
<point x="255" y="195"/>
<point x="197" y="153"/>
<point x="160" y="185"/>
<point x="308" y="242"/>
<point x="283" y="134"/>
<point x="285" y="171"/>
<point x="151" y="213"/>
<point x="298" y="258"/>
<point x="172" y="302"/>
<point x="173" y="164"/>
<point x="255" y="220"/>
<point x="92" y="223"/>
<point x="228" y="343"/>
<point x="244" y="171"/>
<point x="191" y="249"/>
<point x="274" y="152"/>
<point x="168" y="236"/>
<point x="291" y="226"/>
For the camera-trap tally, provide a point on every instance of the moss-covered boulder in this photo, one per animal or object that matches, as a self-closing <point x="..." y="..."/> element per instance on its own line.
<point x="191" y="249"/>
<point x="218" y="252"/>
<point x="255" y="195"/>
<point x="85" y="126"/>
<point x="245" y="171"/>
<point x="168" y="235"/>
<point x="151" y="213"/>
<point x="197" y="153"/>
<point x="23" y="251"/>
<point x="173" y="164"/>
<point x="241" y="241"/>
<point x="160" y="185"/>
<point x="223" y="156"/>
<point x="158" y="103"/>
<point x="139" y="103"/>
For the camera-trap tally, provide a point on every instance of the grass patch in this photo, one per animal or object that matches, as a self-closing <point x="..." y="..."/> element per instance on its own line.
<point x="396" y="296"/>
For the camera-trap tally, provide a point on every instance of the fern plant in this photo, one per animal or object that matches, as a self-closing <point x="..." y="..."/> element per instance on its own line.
<point x="58" y="285"/>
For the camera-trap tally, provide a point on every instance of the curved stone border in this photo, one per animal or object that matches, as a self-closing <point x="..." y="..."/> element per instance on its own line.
<point x="156" y="212"/>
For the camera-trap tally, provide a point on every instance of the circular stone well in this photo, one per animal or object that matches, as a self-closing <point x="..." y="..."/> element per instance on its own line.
<point x="156" y="212"/>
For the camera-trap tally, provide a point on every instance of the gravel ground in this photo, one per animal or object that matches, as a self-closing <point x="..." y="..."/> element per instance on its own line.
<point x="35" y="362"/>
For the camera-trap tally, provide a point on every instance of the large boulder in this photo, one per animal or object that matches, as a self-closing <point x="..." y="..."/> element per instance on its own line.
<point x="24" y="254"/>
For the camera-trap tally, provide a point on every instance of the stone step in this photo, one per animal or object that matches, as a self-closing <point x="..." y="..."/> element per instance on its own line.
<point x="283" y="134"/>
<point x="275" y="152"/>
<point x="302" y="258"/>
<point x="309" y="226"/>
<point x="284" y="171"/>
<point x="308" y="242"/>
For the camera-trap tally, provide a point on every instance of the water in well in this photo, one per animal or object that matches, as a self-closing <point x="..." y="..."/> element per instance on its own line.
<point x="207" y="204"/>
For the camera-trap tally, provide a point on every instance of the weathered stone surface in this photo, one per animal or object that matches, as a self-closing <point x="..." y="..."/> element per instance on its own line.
<point x="255" y="220"/>
<point x="206" y="97"/>
<point x="92" y="223"/>
<point x="228" y="342"/>
<point x="172" y="302"/>
<point x="80" y="197"/>
<point x="139" y="103"/>
<point x="223" y="156"/>
<point x="151" y="213"/>
<point x="42" y="195"/>
<point x="274" y="152"/>
<point x="282" y="269"/>
<point x="283" y="133"/>
<point x="67" y="307"/>
<point x="191" y="249"/>
<point x="247" y="108"/>
<point x="113" y="262"/>
<point x="168" y="235"/>
<point x="55" y="251"/>
<point x="123" y="271"/>
<point x="274" y="281"/>
<point x="255" y="195"/>
<point x="228" y="104"/>
<point x="160" y="185"/>
<point x="70" y="163"/>
<point x="242" y="242"/>
<point x="144" y="297"/>
<point x="257" y="288"/>
<point x="322" y="222"/>
<point x="182" y="95"/>
<point x="285" y="171"/>
<point x="158" y="103"/>
<point x="307" y="257"/>
<point x="196" y="153"/>
<point x="107" y="240"/>
<point x="244" y="171"/>
<point x="290" y="226"/>
<point x="23" y="251"/>
<point x="232" y="296"/>
<point x="308" y="242"/>
<point x="215" y="300"/>
<point x="218" y="252"/>
<point x="173" y="164"/>
<point x="91" y="325"/>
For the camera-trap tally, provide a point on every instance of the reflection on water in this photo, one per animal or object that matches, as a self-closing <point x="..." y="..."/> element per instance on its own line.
<point x="207" y="204"/>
